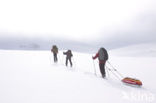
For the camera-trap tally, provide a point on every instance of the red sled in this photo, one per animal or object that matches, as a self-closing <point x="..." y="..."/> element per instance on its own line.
<point x="132" y="81"/>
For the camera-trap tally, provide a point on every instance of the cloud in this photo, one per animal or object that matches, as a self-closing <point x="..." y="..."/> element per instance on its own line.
<point x="90" y="23"/>
<point x="140" y="29"/>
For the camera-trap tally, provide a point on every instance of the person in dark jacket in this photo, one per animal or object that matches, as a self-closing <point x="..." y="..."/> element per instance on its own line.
<point x="54" y="50"/>
<point x="103" y="57"/>
<point x="68" y="57"/>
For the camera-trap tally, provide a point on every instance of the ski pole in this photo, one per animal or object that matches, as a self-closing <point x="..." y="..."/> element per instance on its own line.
<point x="63" y="59"/>
<point x="61" y="62"/>
<point x="74" y="62"/>
<point x="94" y="68"/>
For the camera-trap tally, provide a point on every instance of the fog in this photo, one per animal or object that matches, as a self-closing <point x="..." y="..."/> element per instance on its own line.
<point x="82" y="25"/>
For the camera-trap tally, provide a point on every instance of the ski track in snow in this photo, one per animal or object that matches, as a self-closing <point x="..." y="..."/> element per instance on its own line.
<point x="32" y="77"/>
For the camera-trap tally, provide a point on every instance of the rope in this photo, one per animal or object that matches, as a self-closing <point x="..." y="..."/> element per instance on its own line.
<point x="115" y="70"/>
<point x="113" y="73"/>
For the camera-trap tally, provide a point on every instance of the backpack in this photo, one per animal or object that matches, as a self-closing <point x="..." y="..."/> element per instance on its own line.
<point x="69" y="53"/>
<point x="103" y="55"/>
<point x="55" y="49"/>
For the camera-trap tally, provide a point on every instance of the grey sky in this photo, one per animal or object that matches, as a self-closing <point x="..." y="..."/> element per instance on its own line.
<point x="88" y="23"/>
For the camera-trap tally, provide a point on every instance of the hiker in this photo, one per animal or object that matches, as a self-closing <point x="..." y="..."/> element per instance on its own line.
<point x="103" y="57"/>
<point x="54" y="50"/>
<point x="68" y="57"/>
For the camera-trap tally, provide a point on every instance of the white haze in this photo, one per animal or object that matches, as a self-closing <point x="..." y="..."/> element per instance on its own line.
<point x="83" y="20"/>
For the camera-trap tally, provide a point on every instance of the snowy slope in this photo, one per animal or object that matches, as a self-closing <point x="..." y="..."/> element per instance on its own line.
<point x="139" y="50"/>
<point x="32" y="77"/>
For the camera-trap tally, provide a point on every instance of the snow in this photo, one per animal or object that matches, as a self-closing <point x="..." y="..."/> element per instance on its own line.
<point x="139" y="50"/>
<point x="32" y="77"/>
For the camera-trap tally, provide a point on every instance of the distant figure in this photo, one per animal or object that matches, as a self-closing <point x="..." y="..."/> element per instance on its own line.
<point x="54" y="50"/>
<point x="103" y="57"/>
<point x="68" y="57"/>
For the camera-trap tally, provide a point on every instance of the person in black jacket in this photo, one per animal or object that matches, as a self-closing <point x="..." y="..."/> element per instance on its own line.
<point x="68" y="57"/>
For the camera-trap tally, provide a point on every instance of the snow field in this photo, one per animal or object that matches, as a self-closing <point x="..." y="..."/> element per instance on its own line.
<point x="32" y="77"/>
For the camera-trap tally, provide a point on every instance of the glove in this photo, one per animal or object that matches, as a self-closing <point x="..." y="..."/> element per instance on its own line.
<point x="92" y="57"/>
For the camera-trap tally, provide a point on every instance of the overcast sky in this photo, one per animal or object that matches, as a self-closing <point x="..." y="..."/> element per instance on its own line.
<point x="108" y="22"/>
